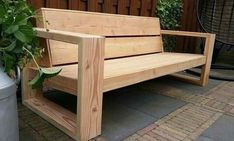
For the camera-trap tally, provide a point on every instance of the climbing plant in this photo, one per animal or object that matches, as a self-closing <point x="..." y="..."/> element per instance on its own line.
<point x="169" y="12"/>
<point x="18" y="42"/>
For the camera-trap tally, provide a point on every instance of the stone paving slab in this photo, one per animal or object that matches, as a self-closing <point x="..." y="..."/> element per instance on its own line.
<point x="205" y="107"/>
<point x="221" y="130"/>
<point x="184" y="124"/>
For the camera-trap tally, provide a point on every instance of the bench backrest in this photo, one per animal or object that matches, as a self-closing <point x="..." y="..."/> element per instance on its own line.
<point x="125" y="35"/>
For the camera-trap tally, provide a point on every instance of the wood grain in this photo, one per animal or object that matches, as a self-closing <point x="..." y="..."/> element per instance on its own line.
<point x="114" y="47"/>
<point x="100" y="24"/>
<point x="208" y="52"/>
<point x="131" y="70"/>
<point x="90" y="88"/>
<point x="209" y="46"/>
<point x="55" y="114"/>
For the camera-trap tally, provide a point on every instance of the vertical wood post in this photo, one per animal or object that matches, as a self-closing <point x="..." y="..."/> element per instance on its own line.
<point x="208" y="52"/>
<point x="90" y="87"/>
<point x="27" y="91"/>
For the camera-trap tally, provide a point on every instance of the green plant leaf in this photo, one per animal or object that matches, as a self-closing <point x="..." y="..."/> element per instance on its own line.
<point x="37" y="80"/>
<point x="50" y="72"/>
<point x="11" y="46"/>
<point x="8" y="62"/>
<point x="25" y="33"/>
<point x="42" y="74"/>
<point x="2" y="13"/>
<point x="11" y="29"/>
<point x="21" y="19"/>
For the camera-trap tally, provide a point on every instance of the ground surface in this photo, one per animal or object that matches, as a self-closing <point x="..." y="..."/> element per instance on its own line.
<point x="161" y="109"/>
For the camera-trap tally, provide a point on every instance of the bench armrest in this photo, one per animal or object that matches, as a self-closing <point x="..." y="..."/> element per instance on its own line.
<point x="209" y="43"/>
<point x="187" y="33"/>
<point x="208" y="50"/>
<point x="64" y="36"/>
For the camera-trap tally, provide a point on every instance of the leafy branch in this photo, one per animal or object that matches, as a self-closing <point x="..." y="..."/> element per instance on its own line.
<point x="18" y="41"/>
<point x="169" y="12"/>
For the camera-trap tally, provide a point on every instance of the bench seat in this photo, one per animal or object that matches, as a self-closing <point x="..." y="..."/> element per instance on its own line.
<point x="130" y="70"/>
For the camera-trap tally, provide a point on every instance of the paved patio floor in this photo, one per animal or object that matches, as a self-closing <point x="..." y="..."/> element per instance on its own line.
<point x="157" y="110"/>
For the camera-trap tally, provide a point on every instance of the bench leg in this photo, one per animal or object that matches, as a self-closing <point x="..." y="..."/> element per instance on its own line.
<point x="27" y="91"/>
<point x="205" y="71"/>
<point x="90" y="87"/>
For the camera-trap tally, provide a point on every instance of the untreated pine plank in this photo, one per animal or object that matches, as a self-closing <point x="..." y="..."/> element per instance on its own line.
<point x="90" y="88"/>
<point x="100" y="24"/>
<point x="208" y="52"/>
<point x="126" y="71"/>
<point x="27" y="91"/>
<point x="55" y="114"/>
<point x="114" y="47"/>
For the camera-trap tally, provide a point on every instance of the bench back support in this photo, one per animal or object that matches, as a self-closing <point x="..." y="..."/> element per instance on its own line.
<point x="125" y="35"/>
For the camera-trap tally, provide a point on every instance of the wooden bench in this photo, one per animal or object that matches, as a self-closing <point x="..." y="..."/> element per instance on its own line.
<point x="114" y="51"/>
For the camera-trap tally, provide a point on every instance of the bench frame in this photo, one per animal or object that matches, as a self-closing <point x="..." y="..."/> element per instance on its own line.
<point x="89" y="100"/>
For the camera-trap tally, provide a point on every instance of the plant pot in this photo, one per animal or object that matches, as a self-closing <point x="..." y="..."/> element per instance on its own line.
<point x="9" y="130"/>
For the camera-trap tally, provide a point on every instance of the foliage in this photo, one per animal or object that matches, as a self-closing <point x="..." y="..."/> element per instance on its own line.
<point x="18" y="42"/>
<point x="169" y="12"/>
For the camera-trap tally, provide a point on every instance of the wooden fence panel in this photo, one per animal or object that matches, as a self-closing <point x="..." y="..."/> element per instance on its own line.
<point x="126" y="7"/>
<point x="188" y="23"/>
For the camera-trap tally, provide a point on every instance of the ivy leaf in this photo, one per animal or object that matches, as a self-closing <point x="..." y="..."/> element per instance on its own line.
<point x="25" y="33"/>
<point x="42" y="74"/>
<point x="8" y="62"/>
<point x="11" y="29"/>
<point x="2" y="13"/>
<point x="21" y="19"/>
<point x="11" y="46"/>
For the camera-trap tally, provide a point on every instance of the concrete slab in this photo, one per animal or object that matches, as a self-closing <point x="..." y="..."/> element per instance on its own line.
<point x="221" y="130"/>
<point x="148" y="102"/>
<point x="126" y="110"/>
<point x="190" y="88"/>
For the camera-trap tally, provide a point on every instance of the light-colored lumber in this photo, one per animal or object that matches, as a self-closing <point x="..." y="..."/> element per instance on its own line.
<point x="185" y="78"/>
<point x="131" y="70"/>
<point x="132" y="47"/>
<point x="65" y="36"/>
<point x="55" y="114"/>
<point x="104" y="25"/>
<point x="90" y="88"/>
<point x="114" y="47"/>
<point x="27" y="91"/>
<point x="98" y="23"/>
<point x="185" y="33"/>
<point x="208" y="51"/>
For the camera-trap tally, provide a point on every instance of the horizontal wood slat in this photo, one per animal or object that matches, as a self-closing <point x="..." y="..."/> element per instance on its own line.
<point x="53" y="113"/>
<point x="114" y="47"/>
<point x="100" y="24"/>
<point x="127" y="71"/>
<point x="120" y="44"/>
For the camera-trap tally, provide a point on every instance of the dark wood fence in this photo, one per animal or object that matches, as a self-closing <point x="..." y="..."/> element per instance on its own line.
<point x="188" y="23"/>
<point x="130" y="7"/>
<point x="127" y="7"/>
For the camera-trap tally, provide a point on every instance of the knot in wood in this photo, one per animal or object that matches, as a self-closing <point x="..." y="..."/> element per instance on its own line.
<point x="94" y="109"/>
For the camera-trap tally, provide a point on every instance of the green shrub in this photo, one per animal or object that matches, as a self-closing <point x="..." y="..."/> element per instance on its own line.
<point x="169" y="12"/>
<point x="18" y="41"/>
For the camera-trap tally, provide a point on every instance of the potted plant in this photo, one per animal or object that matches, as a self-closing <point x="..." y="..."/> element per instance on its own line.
<point x="18" y="46"/>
